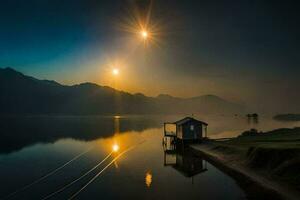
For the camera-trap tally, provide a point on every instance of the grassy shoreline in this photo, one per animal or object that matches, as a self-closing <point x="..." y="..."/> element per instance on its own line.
<point x="271" y="160"/>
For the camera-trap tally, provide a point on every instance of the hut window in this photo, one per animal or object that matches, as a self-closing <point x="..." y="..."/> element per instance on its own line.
<point x="192" y="127"/>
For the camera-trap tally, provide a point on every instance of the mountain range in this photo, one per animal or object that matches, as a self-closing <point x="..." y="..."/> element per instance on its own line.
<point x="22" y="94"/>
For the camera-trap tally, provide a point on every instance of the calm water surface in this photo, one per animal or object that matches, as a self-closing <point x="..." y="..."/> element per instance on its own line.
<point x="31" y="147"/>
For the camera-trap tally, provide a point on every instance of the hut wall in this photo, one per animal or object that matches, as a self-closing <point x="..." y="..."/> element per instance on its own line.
<point x="192" y="130"/>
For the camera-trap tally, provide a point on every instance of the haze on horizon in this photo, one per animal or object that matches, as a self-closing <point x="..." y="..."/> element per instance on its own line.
<point x="242" y="51"/>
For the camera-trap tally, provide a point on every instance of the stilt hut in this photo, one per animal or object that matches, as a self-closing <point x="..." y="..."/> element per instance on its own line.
<point x="187" y="129"/>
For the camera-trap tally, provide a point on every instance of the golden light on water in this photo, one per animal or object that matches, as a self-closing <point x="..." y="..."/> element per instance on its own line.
<point x="148" y="179"/>
<point x="115" y="147"/>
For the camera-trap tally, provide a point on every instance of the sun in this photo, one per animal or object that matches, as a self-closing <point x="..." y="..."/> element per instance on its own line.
<point x="115" y="71"/>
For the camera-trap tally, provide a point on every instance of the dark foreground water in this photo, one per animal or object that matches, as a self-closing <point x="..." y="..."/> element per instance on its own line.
<point x="34" y="153"/>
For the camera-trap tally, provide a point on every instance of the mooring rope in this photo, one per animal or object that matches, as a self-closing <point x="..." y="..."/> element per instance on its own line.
<point x="46" y="175"/>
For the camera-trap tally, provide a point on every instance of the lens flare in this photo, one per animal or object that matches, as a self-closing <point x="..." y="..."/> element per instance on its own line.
<point x="141" y="24"/>
<point x="148" y="179"/>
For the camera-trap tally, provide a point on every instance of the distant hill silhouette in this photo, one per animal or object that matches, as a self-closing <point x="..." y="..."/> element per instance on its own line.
<point x="287" y="117"/>
<point x="21" y="94"/>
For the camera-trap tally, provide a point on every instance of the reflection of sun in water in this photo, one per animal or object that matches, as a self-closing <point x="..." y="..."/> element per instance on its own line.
<point x="148" y="179"/>
<point x="115" y="147"/>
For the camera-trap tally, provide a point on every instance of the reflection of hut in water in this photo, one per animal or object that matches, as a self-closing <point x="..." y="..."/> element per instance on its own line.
<point x="187" y="129"/>
<point x="184" y="161"/>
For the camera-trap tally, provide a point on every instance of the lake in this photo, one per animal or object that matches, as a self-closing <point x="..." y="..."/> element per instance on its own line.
<point x="41" y="155"/>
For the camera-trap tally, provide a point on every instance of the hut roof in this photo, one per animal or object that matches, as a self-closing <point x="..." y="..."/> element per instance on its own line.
<point x="188" y="119"/>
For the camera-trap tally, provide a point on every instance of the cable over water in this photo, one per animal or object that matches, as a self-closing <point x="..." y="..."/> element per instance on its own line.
<point x="99" y="173"/>
<point x="46" y="175"/>
<point x="77" y="179"/>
